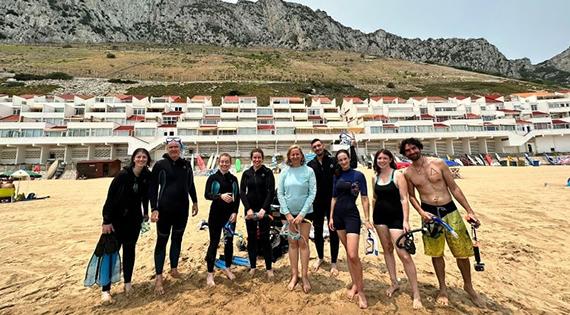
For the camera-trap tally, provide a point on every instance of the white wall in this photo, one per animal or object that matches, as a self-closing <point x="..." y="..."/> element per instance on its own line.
<point x="559" y="143"/>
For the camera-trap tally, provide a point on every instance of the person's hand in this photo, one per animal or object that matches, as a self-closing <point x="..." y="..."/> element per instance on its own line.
<point x="227" y="197"/>
<point x="194" y="209"/>
<point x="249" y="214"/>
<point x="472" y="219"/>
<point x="261" y="214"/>
<point x="368" y="225"/>
<point x="233" y="218"/>
<point x="406" y="226"/>
<point x="289" y="218"/>
<point x="107" y="228"/>
<point x="154" y="216"/>
<point x="298" y="219"/>
<point x="331" y="224"/>
<point x="426" y="216"/>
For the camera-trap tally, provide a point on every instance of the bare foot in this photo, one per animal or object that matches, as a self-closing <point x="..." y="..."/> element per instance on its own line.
<point x="392" y="289"/>
<point x="306" y="284"/>
<point x="351" y="292"/>
<point x="158" y="288"/>
<point x="317" y="264"/>
<point x="174" y="273"/>
<point x="210" y="279"/>
<point x="334" y="270"/>
<point x="106" y="298"/>
<point x="442" y="299"/>
<point x="474" y="297"/>
<point x="252" y="272"/>
<point x="128" y="289"/>
<point x="229" y="274"/>
<point x="270" y="274"/>
<point x="417" y="303"/>
<point x="362" y="302"/>
<point x="292" y="283"/>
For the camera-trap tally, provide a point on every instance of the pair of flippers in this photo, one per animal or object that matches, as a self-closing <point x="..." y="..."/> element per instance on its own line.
<point x="104" y="267"/>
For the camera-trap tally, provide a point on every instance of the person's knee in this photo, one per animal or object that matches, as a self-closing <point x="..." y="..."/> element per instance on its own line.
<point x="353" y="257"/>
<point x="162" y="239"/>
<point x="293" y="244"/>
<point x="177" y="235"/>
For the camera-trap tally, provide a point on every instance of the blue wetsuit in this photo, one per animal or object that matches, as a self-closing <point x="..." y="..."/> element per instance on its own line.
<point x="346" y="188"/>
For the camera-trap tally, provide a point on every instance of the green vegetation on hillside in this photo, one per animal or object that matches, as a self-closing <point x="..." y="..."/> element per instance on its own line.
<point x="263" y="91"/>
<point x="33" y="89"/>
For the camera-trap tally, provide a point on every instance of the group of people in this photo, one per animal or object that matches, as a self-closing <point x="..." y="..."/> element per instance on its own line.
<point x="326" y="187"/>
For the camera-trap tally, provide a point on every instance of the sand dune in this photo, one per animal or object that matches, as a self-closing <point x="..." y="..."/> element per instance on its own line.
<point x="45" y="246"/>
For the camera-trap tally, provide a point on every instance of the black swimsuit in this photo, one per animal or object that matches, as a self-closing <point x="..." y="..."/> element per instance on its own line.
<point x="388" y="207"/>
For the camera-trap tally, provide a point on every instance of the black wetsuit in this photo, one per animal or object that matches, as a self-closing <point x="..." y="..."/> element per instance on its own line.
<point x="388" y="206"/>
<point x="220" y="212"/>
<point x="257" y="190"/>
<point x="347" y="185"/>
<point x="172" y="182"/>
<point x="324" y="173"/>
<point x="127" y="201"/>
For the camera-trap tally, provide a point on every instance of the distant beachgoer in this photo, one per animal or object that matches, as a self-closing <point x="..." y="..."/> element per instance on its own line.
<point x="124" y="211"/>
<point x="223" y="189"/>
<point x="390" y="215"/>
<point x="434" y="181"/>
<point x="257" y="190"/>
<point x="172" y="182"/>
<point x="345" y="219"/>
<point x="296" y="193"/>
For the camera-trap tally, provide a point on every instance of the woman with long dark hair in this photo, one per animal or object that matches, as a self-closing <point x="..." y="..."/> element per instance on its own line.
<point x="257" y="190"/>
<point x="345" y="218"/>
<point x="391" y="214"/>
<point x="124" y="211"/>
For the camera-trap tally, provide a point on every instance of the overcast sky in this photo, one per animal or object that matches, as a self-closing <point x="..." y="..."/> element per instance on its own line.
<point x="537" y="29"/>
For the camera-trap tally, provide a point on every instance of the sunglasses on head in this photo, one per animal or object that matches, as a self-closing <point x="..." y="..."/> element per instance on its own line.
<point x="173" y="139"/>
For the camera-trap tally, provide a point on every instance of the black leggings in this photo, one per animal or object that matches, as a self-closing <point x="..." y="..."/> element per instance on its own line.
<point x="318" y="221"/>
<point x="166" y="222"/>
<point x="215" y="227"/>
<point x="127" y="235"/>
<point x="263" y="243"/>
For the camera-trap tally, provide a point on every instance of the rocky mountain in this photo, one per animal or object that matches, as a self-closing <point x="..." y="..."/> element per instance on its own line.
<point x="270" y="23"/>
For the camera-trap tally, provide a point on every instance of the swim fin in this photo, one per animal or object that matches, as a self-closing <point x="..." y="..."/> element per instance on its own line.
<point x="104" y="267"/>
<point x="237" y="260"/>
<point x="240" y="261"/>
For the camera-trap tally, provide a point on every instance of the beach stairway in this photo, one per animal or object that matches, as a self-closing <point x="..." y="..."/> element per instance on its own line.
<point x="60" y="170"/>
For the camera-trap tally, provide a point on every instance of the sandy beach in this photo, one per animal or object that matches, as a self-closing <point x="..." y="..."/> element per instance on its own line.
<point x="45" y="246"/>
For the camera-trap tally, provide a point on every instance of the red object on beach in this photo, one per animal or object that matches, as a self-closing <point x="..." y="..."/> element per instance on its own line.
<point x="200" y="162"/>
<point x="37" y="168"/>
<point x="401" y="165"/>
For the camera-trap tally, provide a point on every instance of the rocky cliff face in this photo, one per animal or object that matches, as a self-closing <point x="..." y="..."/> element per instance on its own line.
<point x="271" y="23"/>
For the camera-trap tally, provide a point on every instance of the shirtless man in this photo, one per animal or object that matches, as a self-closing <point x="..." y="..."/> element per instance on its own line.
<point x="435" y="184"/>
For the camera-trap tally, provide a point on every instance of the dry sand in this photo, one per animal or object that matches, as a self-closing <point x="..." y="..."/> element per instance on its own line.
<point x="45" y="246"/>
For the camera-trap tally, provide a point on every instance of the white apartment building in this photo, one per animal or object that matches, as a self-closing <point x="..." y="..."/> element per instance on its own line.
<point x="34" y="129"/>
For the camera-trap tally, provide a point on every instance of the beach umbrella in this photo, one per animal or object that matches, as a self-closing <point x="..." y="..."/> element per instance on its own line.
<point x="33" y="174"/>
<point x="20" y="174"/>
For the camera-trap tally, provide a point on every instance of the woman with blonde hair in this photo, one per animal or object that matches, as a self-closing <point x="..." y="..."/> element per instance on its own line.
<point x="296" y="193"/>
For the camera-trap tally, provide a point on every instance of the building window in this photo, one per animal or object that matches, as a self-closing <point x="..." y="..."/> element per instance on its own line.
<point x="169" y="120"/>
<point x="145" y="132"/>
<point x="187" y="132"/>
<point x="375" y="129"/>
<point x="138" y="111"/>
<point x="407" y="129"/>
